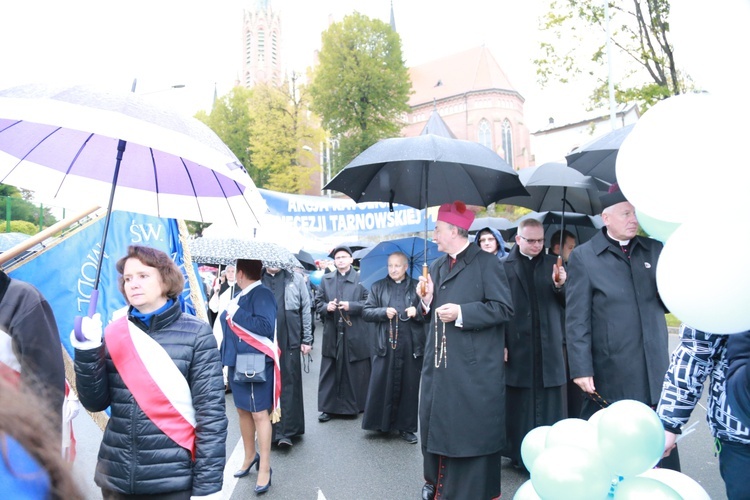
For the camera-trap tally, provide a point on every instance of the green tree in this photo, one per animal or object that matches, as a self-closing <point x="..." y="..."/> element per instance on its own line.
<point x="230" y="120"/>
<point x="22" y="208"/>
<point x="639" y="30"/>
<point x="279" y="127"/>
<point x="361" y="85"/>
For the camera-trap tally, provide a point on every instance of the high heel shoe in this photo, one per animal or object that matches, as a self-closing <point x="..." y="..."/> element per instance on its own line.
<point x="262" y="489"/>
<point x="245" y="472"/>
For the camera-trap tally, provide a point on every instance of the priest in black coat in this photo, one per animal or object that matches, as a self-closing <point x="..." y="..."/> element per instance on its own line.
<point x="535" y="377"/>
<point x="616" y="330"/>
<point x="393" y="395"/>
<point x="462" y="400"/>
<point x="345" y="363"/>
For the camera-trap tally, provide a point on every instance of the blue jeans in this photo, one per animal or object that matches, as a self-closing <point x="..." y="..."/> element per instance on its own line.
<point x="734" y="463"/>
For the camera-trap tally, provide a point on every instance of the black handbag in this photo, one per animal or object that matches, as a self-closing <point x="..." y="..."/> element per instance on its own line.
<point x="249" y="368"/>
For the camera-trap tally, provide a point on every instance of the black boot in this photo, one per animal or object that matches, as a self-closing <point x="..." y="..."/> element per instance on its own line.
<point x="428" y="491"/>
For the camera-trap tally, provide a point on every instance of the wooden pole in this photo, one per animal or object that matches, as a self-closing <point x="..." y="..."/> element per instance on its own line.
<point x="43" y="235"/>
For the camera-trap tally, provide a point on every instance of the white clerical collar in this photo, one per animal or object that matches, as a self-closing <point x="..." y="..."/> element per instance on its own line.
<point x="623" y="243"/>
<point x="527" y="256"/>
<point x="247" y="289"/>
<point x="461" y="250"/>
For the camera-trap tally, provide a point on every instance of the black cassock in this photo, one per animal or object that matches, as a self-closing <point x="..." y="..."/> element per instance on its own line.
<point x="345" y="363"/>
<point x="535" y="372"/>
<point x="293" y="328"/>
<point x="393" y="394"/>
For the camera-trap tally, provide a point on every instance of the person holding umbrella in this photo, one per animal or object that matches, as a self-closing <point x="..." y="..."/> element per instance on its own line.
<point x="462" y="403"/>
<point x="158" y="370"/>
<point x="393" y="395"/>
<point x="249" y="331"/>
<point x="534" y="363"/>
<point x="345" y="366"/>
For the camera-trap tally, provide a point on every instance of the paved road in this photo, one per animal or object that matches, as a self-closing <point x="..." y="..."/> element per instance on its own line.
<point x="337" y="460"/>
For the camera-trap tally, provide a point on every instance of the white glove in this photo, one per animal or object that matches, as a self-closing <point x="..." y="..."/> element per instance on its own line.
<point x="71" y="407"/>
<point x="92" y="330"/>
<point x="232" y="308"/>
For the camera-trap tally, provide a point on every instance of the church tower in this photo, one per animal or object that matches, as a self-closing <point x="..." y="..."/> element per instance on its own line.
<point x="261" y="36"/>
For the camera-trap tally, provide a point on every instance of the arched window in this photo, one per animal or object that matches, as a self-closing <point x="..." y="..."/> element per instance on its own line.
<point x="485" y="134"/>
<point x="507" y="133"/>
<point x="261" y="45"/>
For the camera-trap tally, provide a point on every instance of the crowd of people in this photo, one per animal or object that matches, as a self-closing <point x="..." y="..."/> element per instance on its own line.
<point x="510" y="338"/>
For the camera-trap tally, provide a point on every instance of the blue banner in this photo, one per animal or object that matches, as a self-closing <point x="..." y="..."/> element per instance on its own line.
<point x="65" y="272"/>
<point x="323" y="217"/>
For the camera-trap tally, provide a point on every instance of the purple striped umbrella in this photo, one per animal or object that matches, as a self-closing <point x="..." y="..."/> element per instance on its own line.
<point x="81" y="146"/>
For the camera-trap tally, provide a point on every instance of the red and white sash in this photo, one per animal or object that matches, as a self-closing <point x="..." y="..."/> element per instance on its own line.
<point x="157" y="385"/>
<point x="271" y="349"/>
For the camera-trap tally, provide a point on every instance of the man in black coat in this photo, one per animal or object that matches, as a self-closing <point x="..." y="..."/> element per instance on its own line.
<point x="462" y="400"/>
<point x="294" y="336"/>
<point x="345" y="363"/>
<point x="614" y="322"/>
<point x="535" y="375"/>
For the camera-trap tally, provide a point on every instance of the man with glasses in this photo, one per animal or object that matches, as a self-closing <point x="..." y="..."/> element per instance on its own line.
<point x="345" y="364"/>
<point x="534" y="364"/>
<point x="614" y="322"/>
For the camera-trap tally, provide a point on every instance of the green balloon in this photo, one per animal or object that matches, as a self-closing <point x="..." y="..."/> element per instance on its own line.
<point x="526" y="492"/>
<point x="658" y="229"/>
<point x="570" y="473"/>
<point x="638" y="488"/>
<point x="630" y="437"/>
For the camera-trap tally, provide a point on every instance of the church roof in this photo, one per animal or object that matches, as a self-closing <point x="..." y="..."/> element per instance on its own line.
<point x="471" y="70"/>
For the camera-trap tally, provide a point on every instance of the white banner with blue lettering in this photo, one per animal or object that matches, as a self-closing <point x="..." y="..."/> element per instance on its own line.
<point x="65" y="271"/>
<point x="340" y="217"/>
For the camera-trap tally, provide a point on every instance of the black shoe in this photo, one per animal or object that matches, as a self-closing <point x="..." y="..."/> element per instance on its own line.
<point x="409" y="437"/>
<point x="245" y="472"/>
<point x="324" y="417"/>
<point x="285" y="442"/>
<point x="263" y="489"/>
<point x="428" y="491"/>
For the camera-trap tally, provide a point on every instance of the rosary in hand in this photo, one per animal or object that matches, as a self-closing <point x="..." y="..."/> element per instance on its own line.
<point x="443" y="349"/>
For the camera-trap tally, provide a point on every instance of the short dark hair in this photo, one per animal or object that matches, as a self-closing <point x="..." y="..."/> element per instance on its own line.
<point x="170" y="274"/>
<point x="250" y="268"/>
<point x="555" y="238"/>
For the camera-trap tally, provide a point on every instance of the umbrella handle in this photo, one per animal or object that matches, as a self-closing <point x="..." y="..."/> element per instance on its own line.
<point x="559" y="263"/>
<point x="79" y="319"/>
<point x="425" y="272"/>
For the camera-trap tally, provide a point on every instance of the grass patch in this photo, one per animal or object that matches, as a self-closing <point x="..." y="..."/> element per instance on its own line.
<point x="672" y="320"/>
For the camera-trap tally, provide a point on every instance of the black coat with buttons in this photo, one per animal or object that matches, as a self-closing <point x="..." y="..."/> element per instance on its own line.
<point x="462" y="402"/>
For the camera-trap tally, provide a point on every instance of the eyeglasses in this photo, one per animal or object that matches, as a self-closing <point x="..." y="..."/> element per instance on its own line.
<point x="533" y="242"/>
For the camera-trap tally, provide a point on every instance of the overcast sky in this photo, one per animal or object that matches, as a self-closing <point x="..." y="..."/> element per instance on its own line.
<point x="198" y="44"/>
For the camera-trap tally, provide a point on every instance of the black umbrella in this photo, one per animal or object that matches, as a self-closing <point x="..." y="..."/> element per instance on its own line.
<point x="307" y="260"/>
<point x="555" y="186"/>
<point x="583" y="227"/>
<point x="597" y="157"/>
<point x="428" y="170"/>
<point x="499" y="223"/>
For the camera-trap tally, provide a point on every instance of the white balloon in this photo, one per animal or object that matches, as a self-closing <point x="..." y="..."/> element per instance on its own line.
<point x="709" y="291"/>
<point x="678" y="159"/>
<point x="687" y="487"/>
